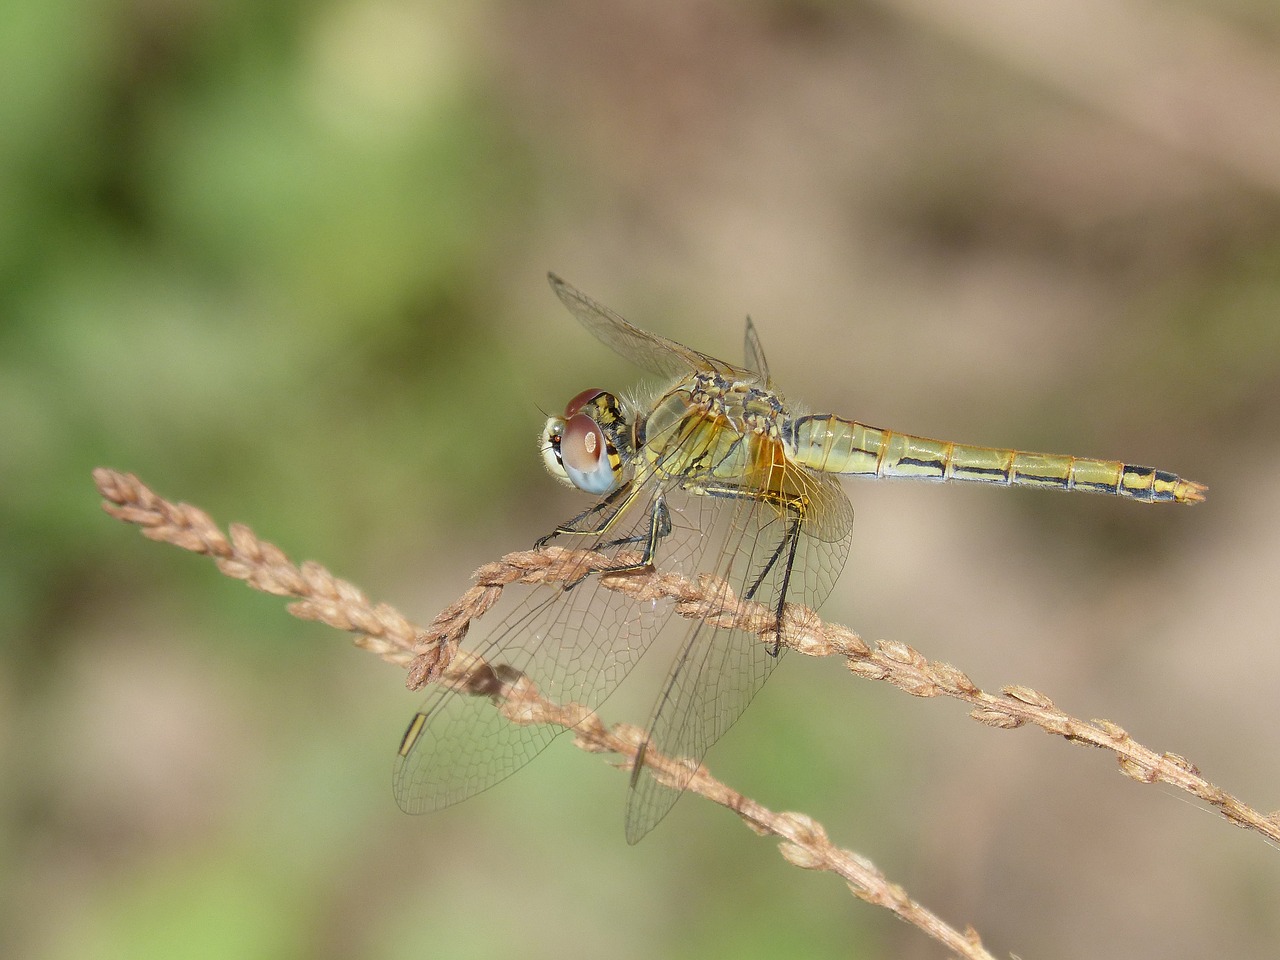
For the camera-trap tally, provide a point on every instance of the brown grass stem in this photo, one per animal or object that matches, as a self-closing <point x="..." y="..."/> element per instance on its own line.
<point x="431" y="653"/>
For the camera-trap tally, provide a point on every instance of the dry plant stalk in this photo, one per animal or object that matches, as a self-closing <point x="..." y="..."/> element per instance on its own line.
<point x="432" y="653"/>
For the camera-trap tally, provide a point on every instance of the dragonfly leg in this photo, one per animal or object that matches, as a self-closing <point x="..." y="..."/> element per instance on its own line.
<point x="790" y="543"/>
<point x="572" y="527"/>
<point x="659" y="527"/>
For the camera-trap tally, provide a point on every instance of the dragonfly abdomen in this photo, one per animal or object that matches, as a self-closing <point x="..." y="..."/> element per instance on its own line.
<point x="831" y="444"/>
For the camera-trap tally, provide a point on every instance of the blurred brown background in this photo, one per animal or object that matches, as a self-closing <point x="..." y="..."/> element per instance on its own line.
<point x="286" y="261"/>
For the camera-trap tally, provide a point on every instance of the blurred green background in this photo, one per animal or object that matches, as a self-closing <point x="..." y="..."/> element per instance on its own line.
<point x="286" y="261"/>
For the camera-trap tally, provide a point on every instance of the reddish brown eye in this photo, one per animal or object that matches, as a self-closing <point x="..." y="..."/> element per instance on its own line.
<point x="585" y="455"/>
<point x="582" y="443"/>
<point x="580" y="401"/>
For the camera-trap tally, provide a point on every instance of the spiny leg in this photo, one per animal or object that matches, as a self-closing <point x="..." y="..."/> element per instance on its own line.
<point x="572" y="528"/>
<point x="659" y="527"/>
<point x="790" y="542"/>
<point x="793" y="534"/>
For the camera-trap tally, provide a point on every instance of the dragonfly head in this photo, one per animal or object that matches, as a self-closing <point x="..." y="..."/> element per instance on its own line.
<point x="584" y="448"/>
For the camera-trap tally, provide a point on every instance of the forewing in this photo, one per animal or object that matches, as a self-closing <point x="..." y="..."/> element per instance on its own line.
<point x="574" y="643"/>
<point x="719" y="669"/>
<point x="648" y="350"/>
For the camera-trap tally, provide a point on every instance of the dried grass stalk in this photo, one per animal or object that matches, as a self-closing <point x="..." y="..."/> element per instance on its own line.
<point x="429" y="653"/>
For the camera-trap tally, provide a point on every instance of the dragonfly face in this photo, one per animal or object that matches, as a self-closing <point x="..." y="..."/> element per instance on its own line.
<point x="716" y="481"/>
<point x="588" y="447"/>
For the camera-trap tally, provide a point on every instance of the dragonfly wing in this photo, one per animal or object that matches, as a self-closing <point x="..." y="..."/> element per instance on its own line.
<point x="720" y="669"/>
<point x="754" y="353"/>
<point x="648" y="350"/>
<point x="459" y="743"/>
<point x="574" y="643"/>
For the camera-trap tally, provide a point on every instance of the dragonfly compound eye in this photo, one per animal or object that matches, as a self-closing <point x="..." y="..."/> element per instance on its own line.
<point x="581" y="400"/>
<point x="589" y="459"/>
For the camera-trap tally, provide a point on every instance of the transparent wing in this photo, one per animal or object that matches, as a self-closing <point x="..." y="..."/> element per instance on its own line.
<point x="574" y="643"/>
<point x="764" y="552"/>
<point x="460" y="744"/>
<point x="754" y="352"/>
<point x="648" y="350"/>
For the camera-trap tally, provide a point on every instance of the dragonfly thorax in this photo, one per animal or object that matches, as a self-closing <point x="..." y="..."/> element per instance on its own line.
<point x="740" y="406"/>
<point x="711" y="431"/>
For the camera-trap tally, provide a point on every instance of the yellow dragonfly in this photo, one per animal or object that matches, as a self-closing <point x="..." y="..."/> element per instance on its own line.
<point x="714" y="474"/>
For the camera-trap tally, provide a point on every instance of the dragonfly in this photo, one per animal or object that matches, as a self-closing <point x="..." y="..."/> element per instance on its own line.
<point x="712" y="473"/>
